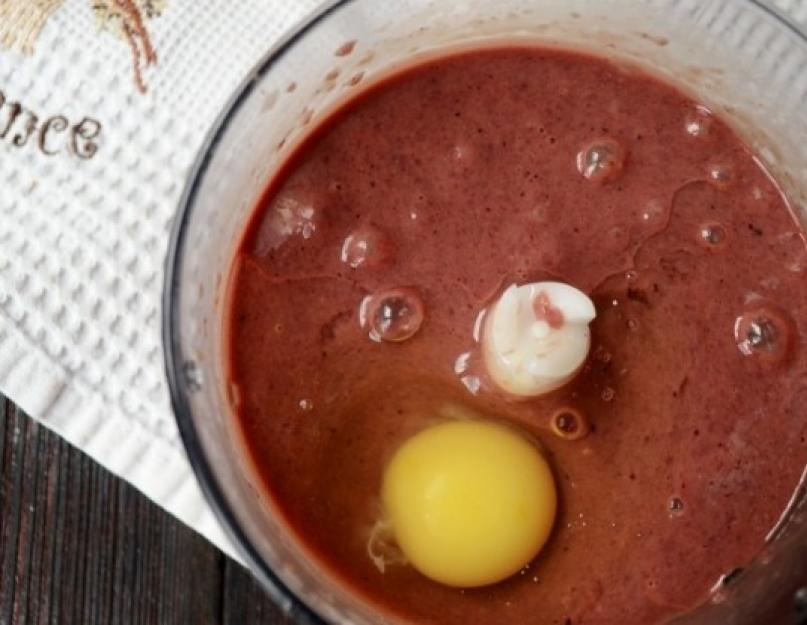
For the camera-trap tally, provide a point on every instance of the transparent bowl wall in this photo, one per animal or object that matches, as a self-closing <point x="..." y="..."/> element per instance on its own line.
<point x="737" y="56"/>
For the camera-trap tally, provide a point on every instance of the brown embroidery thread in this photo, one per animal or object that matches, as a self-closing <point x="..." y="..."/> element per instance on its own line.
<point x="127" y="18"/>
<point x="22" y="21"/>
<point x="87" y="130"/>
<point x="57" y="124"/>
<point x="30" y="127"/>
<point x="136" y="31"/>
<point x="14" y="113"/>
<point x="83" y="140"/>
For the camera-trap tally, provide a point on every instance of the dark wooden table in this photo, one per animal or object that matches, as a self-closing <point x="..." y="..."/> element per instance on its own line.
<point x="79" y="546"/>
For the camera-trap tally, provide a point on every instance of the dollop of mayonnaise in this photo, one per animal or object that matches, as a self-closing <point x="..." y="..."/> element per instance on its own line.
<point x="536" y="337"/>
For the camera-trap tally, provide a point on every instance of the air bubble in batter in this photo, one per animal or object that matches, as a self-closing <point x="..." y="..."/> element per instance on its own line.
<point x="675" y="506"/>
<point x="569" y="424"/>
<point x="654" y="214"/>
<point x="602" y="160"/>
<point x="712" y="235"/>
<point x="290" y="215"/>
<point x="463" y="153"/>
<point x="393" y="315"/>
<point x="366" y="246"/>
<point x="721" y="175"/>
<point x="764" y="333"/>
<point x="698" y="122"/>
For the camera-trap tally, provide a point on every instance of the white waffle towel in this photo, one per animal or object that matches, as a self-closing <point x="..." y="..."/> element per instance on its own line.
<point x="104" y="104"/>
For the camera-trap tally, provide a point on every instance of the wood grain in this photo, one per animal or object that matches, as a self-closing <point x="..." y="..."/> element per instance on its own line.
<point x="78" y="546"/>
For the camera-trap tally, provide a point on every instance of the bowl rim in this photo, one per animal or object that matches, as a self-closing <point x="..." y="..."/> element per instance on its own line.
<point x="287" y="600"/>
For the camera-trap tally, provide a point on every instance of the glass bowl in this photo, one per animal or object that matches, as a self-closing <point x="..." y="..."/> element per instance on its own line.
<point x="740" y="57"/>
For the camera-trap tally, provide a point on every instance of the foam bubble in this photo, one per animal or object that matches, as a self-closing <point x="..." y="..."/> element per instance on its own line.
<point x="698" y="123"/>
<point x="393" y="315"/>
<point x="289" y="215"/>
<point x="764" y="333"/>
<point x="367" y="246"/>
<point x="602" y="160"/>
<point x="712" y="235"/>
<point x="569" y="424"/>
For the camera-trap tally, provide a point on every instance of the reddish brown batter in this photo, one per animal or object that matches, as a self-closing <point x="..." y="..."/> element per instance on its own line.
<point x="457" y="178"/>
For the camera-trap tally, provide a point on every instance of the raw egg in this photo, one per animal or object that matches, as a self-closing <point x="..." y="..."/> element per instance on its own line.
<point x="470" y="502"/>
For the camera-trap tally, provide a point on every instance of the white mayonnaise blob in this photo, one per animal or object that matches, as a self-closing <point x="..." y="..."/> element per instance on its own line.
<point x="536" y="337"/>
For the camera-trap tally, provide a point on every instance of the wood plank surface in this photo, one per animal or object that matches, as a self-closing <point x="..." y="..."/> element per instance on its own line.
<point x="78" y="546"/>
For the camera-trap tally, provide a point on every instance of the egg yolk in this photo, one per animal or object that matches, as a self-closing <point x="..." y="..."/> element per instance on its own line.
<point x="470" y="502"/>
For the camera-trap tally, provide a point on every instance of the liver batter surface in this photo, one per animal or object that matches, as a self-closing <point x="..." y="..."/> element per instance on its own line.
<point x="463" y="176"/>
